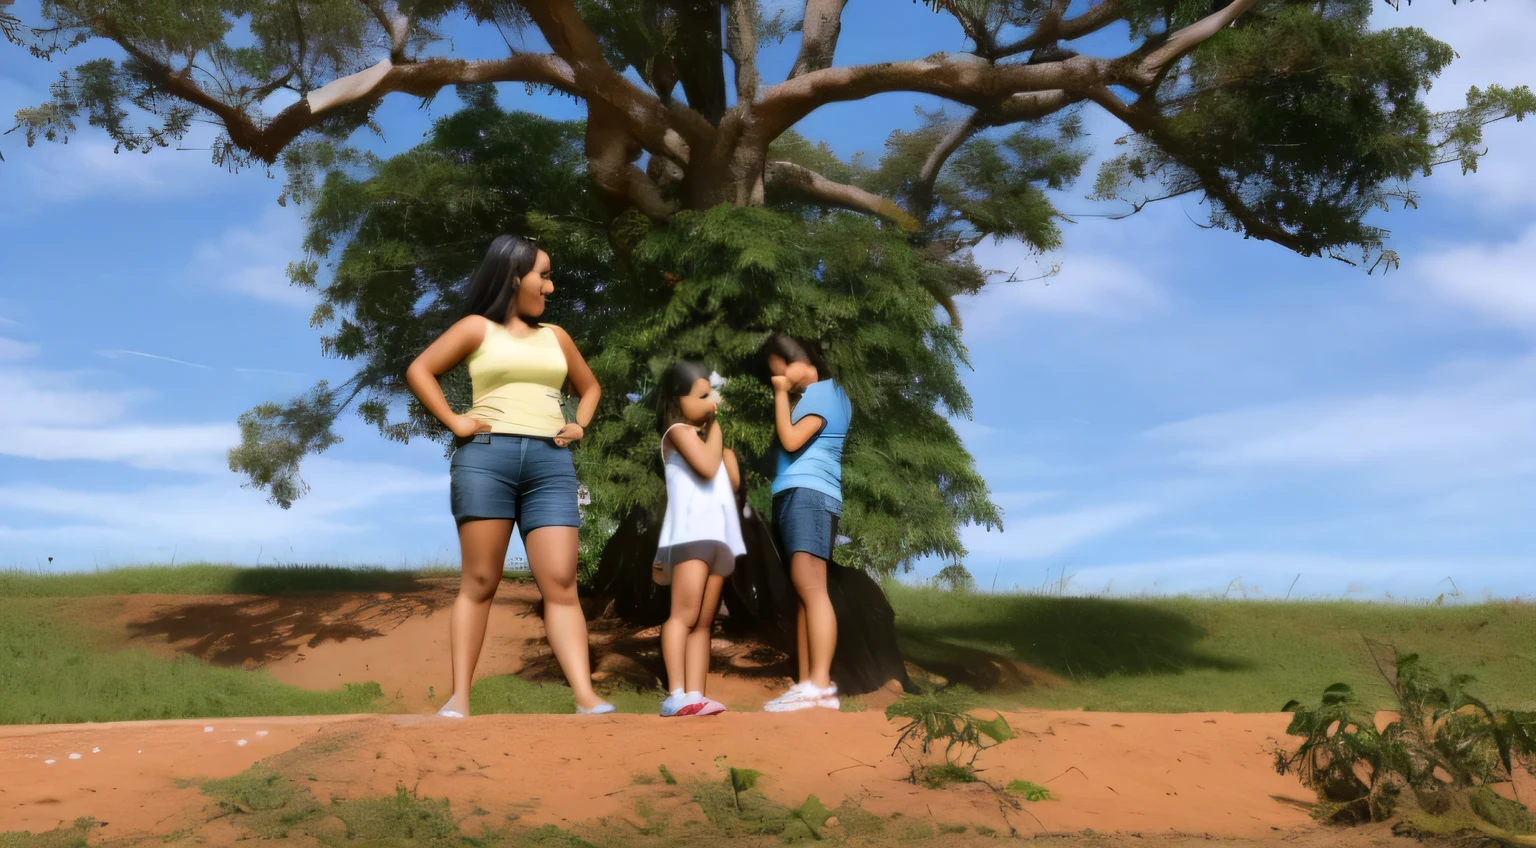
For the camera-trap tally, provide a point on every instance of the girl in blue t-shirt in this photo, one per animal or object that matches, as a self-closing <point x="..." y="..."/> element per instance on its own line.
<point x="807" y="501"/>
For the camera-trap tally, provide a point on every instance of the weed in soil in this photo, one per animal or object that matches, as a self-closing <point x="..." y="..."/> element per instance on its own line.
<point x="1444" y="753"/>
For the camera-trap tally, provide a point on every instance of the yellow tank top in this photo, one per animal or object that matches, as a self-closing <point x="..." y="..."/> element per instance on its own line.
<point x="516" y="382"/>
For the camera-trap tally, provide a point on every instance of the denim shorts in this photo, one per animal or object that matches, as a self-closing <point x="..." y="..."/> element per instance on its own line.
<point x="523" y="478"/>
<point x="807" y="522"/>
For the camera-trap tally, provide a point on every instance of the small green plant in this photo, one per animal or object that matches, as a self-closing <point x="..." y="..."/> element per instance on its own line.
<point x="74" y="836"/>
<point x="1446" y="749"/>
<point x="941" y="718"/>
<point x="741" y="781"/>
<point x="1029" y="791"/>
<point x="666" y="775"/>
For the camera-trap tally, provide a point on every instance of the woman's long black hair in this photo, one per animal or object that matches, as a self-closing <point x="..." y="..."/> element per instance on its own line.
<point x="493" y="287"/>
<point x="793" y="350"/>
<point x="676" y="382"/>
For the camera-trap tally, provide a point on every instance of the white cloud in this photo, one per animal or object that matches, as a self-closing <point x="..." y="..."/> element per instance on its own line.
<point x="1492" y="280"/>
<point x="1088" y="285"/>
<point x="1475" y="420"/>
<point x="253" y="260"/>
<point x="87" y="168"/>
<point x="118" y="354"/>
<point x="1041" y="536"/>
<point x="211" y="517"/>
<point x="14" y="351"/>
<point x="50" y="415"/>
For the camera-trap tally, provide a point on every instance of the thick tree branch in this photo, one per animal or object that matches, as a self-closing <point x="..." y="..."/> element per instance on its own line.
<point x="818" y="36"/>
<point x="970" y="81"/>
<point x="1054" y="26"/>
<point x="656" y="125"/>
<point x="1180" y="43"/>
<point x="741" y="45"/>
<point x="787" y="176"/>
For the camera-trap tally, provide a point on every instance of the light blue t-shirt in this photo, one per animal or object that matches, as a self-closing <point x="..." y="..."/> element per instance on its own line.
<point x="818" y="464"/>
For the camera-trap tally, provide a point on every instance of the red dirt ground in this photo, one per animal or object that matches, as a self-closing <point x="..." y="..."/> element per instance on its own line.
<point x="1112" y="773"/>
<point x="1207" y="775"/>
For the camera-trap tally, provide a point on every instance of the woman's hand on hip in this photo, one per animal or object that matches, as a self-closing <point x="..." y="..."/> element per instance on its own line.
<point x="464" y="426"/>
<point x="569" y="433"/>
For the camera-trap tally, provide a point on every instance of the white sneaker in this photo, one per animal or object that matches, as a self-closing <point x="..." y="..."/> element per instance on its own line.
<point x="803" y="696"/>
<point x="601" y="709"/>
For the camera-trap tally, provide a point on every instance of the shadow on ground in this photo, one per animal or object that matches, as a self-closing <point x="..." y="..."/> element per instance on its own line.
<point x="1064" y="638"/>
<point x="253" y="632"/>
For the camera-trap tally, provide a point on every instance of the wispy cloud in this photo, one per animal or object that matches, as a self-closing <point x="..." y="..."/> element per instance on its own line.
<point x="1492" y="280"/>
<point x="14" y="351"/>
<point x="116" y="354"/>
<point x="1040" y="536"/>
<point x="252" y="260"/>
<point x="1089" y="286"/>
<point x="1475" y="420"/>
<point x="53" y="415"/>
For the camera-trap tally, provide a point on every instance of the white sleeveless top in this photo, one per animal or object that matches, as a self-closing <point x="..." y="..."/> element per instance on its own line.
<point x="698" y="510"/>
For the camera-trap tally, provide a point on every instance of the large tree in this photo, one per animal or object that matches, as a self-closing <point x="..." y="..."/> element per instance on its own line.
<point x="1293" y="119"/>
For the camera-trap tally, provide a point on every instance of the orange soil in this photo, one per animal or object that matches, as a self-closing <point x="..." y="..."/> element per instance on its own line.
<point x="398" y="640"/>
<point x="1125" y="773"/>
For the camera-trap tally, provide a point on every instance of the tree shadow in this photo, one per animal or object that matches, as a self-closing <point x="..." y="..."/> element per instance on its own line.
<point x="1069" y="638"/>
<point x="251" y="633"/>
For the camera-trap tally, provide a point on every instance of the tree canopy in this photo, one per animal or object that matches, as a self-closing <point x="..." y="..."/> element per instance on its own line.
<point x="1291" y="117"/>
<point x="406" y="231"/>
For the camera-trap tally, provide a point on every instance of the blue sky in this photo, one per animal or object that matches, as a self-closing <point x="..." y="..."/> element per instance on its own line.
<point x="1176" y="410"/>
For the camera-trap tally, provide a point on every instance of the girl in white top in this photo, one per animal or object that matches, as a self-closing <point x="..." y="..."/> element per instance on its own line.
<point x="700" y="535"/>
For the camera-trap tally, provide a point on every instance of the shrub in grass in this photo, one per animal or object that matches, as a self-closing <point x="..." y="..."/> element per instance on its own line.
<point x="1446" y="750"/>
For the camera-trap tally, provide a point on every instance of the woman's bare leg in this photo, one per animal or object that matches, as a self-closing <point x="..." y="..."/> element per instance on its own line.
<point x="696" y="668"/>
<point x="484" y="547"/>
<point x="809" y="574"/>
<point x="552" y="559"/>
<point x="688" y="585"/>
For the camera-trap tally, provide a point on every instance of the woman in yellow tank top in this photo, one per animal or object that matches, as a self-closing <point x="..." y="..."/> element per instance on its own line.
<point x="511" y="465"/>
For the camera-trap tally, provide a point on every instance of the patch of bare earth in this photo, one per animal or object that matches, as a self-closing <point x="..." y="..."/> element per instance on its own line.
<point x="1111" y="773"/>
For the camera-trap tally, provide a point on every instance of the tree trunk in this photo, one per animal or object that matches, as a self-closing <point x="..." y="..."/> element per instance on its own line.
<point x="759" y="600"/>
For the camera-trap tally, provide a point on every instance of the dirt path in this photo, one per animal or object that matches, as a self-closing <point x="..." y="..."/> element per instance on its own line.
<point x="1111" y="773"/>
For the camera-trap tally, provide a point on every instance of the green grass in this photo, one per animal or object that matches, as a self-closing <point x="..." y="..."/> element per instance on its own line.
<point x="50" y="672"/>
<point x="1195" y="655"/>
<point x="75" y="836"/>
<point x="211" y="579"/>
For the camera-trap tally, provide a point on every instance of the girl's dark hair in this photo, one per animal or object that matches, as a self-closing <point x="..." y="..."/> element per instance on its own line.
<point x="792" y="350"/>
<point x="675" y="382"/>
<point x="493" y="287"/>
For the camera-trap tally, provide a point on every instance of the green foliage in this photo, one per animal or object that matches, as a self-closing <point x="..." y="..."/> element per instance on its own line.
<point x="269" y="805"/>
<point x="404" y="234"/>
<point x="945" y="715"/>
<point x="666" y="775"/>
<point x="1300" y="121"/>
<point x="1030" y="791"/>
<point x="1446" y="747"/>
<point x="955" y="578"/>
<point x="76" y="835"/>
<point x="405" y="815"/>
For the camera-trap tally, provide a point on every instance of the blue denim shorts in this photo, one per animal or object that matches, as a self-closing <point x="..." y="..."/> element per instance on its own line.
<point x="523" y="478"/>
<point x="807" y="522"/>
